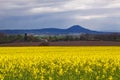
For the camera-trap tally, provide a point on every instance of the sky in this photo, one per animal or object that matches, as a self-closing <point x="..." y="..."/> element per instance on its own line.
<point x="100" y="15"/>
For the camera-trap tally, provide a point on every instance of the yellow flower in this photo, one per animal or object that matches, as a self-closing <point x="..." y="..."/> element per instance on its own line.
<point x="110" y="78"/>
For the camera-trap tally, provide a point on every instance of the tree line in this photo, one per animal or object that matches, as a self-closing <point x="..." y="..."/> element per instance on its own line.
<point x="4" y="38"/>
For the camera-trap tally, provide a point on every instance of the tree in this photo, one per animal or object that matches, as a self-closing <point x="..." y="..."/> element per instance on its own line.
<point x="25" y="37"/>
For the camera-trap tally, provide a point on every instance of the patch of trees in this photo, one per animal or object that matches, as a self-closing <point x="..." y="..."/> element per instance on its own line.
<point x="87" y="37"/>
<point x="4" y="38"/>
<point x="9" y="38"/>
<point x="108" y="37"/>
<point x="44" y="39"/>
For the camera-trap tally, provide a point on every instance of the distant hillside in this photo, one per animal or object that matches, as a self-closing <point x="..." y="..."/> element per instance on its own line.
<point x="76" y="29"/>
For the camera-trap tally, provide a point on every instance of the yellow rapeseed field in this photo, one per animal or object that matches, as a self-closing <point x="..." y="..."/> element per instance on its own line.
<point x="60" y="63"/>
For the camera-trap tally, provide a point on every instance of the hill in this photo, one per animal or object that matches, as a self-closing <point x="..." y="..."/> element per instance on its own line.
<point x="76" y="29"/>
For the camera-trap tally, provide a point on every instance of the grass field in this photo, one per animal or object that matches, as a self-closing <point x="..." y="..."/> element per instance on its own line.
<point x="60" y="63"/>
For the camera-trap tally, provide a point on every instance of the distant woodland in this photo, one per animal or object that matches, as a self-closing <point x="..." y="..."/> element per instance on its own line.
<point x="4" y="38"/>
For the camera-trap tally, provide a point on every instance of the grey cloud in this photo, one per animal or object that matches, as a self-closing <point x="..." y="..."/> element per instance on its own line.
<point x="93" y="14"/>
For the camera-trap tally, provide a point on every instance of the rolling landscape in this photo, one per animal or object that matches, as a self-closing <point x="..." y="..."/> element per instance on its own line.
<point x="72" y="36"/>
<point x="59" y="39"/>
<point x="76" y="29"/>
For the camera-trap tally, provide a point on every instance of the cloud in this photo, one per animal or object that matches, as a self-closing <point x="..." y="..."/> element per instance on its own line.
<point x="45" y="10"/>
<point x="94" y="14"/>
<point x="115" y="5"/>
<point x="27" y="7"/>
<point x="90" y="17"/>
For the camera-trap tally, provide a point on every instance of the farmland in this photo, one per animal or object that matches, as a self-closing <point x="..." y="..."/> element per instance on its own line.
<point x="60" y="63"/>
<point x="65" y="43"/>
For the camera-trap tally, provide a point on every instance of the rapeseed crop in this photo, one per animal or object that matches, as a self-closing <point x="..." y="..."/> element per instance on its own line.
<point x="60" y="63"/>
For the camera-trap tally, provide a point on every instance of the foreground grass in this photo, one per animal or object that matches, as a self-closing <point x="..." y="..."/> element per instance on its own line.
<point x="60" y="63"/>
